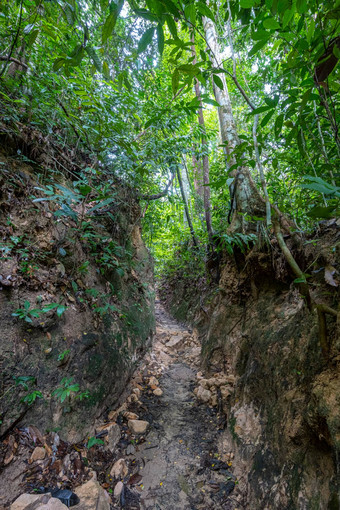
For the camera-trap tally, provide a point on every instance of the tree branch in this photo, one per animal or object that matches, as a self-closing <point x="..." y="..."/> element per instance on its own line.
<point x="12" y="59"/>
<point x="161" y="193"/>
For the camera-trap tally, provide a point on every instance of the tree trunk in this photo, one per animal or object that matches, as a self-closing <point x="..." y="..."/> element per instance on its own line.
<point x="206" y="191"/>
<point x="186" y="207"/>
<point x="246" y="201"/>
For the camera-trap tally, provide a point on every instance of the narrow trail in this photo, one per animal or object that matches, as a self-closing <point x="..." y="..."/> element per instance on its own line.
<point x="178" y="462"/>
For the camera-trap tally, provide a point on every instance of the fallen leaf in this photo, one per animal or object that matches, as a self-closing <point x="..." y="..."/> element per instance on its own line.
<point x="136" y="478"/>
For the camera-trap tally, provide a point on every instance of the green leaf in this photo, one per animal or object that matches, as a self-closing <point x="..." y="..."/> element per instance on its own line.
<point x="271" y="23"/>
<point x="110" y="21"/>
<point x="93" y="441"/>
<point x="259" y="35"/>
<point x="322" y="212"/>
<point x="205" y="11"/>
<point x="60" y="310"/>
<point x="207" y="100"/>
<point x="267" y="118"/>
<point x="58" y="63"/>
<point x="145" y="39"/>
<point x="261" y="109"/>
<point x="103" y="203"/>
<point x="175" y="82"/>
<point x="289" y="13"/>
<point x="300" y="280"/>
<point x="49" y="307"/>
<point x="171" y="7"/>
<point x="257" y="47"/>
<point x="84" y="189"/>
<point x="94" y="57"/>
<point x="301" y="6"/>
<point x="188" y="68"/>
<point x="106" y="71"/>
<point x="160" y="38"/>
<point x="32" y="37"/>
<point x="310" y="31"/>
<point x="190" y="13"/>
<point x="172" y="26"/>
<point x="218" y="81"/>
<point x="247" y="4"/>
<point x="278" y="125"/>
<point x="300" y="142"/>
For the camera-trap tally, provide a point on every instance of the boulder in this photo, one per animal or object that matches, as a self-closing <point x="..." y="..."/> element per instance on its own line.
<point x="138" y="426"/>
<point x="30" y="501"/>
<point x="37" y="502"/>
<point x="52" y="504"/>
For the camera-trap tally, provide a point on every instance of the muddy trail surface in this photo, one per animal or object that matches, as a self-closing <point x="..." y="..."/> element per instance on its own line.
<point x="178" y="461"/>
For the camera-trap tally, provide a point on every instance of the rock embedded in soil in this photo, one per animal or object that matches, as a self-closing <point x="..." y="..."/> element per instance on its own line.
<point x="138" y="426"/>
<point x="203" y="395"/>
<point x="130" y="450"/>
<point x="130" y="416"/>
<point x="157" y="392"/>
<point x="39" y="453"/>
<point x="30" y="501"/>
<point x="92" y="496"/>
<point x="37" y="502"/>
<point x="119" y="469"/>
<point x="153" y="381"/>
<point x="118" y="489"/>
<point x="113" y="437"/>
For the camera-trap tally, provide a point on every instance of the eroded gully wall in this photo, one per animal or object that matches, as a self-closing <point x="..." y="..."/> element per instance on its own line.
<point x="283" y="412"/>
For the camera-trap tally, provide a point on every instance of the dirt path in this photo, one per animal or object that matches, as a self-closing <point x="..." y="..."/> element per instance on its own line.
<point x="178" y="461"/>
<point x="171" y="464"/>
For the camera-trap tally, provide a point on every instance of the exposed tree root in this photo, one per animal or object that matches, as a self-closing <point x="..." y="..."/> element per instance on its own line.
<point x="322" y="309"/>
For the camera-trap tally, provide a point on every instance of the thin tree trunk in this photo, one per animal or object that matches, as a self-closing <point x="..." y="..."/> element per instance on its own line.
<point x="198" y="176"/>
<point x="206" y="191"/>
<point x="186" y="208"/>
<point x="261" y="172"/>
<point x="245" y="198"/>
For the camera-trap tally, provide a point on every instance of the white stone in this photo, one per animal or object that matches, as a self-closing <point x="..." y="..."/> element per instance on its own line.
<point x="113" y="436"/>
<point x="203" y="395"/>
<point x="53" y="504"/>
<point x="138" y="426"/>
<point x="30" y="501"/>
<point x="38" y="453"/>
<point x="118" y="489"/>
<point x="153" y="381"/>
<point x="158" y="392"/>
<point x="119" y="469"/>
<point x="92" y="496"/>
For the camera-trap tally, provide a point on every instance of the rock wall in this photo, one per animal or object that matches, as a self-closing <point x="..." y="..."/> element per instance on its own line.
<point x="62" y="367"/>
<point x="282" y="426"/>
